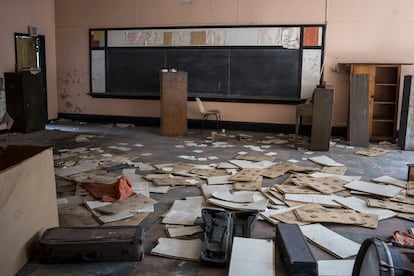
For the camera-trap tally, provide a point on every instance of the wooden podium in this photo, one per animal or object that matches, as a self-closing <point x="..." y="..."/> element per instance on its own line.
<point x="173" y="97"/>
<point x="321" y="118"/>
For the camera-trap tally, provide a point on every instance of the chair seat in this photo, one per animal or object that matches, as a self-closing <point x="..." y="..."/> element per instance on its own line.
<point x="211" y="112"/>
<point x="206" y="113"/>
<point x="304" y="110"/>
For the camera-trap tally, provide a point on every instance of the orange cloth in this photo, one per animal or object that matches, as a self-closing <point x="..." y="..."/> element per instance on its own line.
<point x="117" y="191"/>
<point x="403" y="238"/>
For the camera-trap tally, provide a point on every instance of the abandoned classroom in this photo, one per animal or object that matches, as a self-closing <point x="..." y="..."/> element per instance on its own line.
<point x="197" y="137"/>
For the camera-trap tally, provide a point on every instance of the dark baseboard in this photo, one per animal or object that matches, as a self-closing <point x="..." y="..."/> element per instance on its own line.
<point x="195" y="124"/>
<point x="109" y="119"/>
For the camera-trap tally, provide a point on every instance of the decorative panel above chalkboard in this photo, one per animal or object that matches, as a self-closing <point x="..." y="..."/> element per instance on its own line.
<point x="255" y="63"/>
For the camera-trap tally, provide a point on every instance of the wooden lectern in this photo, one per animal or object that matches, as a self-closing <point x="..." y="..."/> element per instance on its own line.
<point x="173" y="97"/>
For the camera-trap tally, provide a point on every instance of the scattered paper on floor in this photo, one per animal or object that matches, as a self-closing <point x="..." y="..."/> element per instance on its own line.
<point x="189" y="250"/>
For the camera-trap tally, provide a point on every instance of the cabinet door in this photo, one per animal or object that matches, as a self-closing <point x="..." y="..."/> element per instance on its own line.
<point x="14" y="100"/>
<point x="370" y="71"/>
<point x="383" y="99"/>
<point x="34" y="109"/>
<point x="25" y="101"/>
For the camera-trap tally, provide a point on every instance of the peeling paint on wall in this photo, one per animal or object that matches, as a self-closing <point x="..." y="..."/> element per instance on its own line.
<point x="72" y="87"/>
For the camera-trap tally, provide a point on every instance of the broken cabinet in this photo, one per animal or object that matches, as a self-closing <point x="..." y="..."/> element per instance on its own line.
<point x="383" y="90"/>
<point x="25" y="100"/>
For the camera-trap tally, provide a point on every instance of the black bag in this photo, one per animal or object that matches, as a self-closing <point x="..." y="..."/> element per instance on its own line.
<point x="91" y="244"/>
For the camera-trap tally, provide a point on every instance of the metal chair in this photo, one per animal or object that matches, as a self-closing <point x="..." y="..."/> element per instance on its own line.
<point x="206" y="113"/>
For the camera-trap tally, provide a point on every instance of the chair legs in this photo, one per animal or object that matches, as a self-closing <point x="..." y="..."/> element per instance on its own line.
<point x="205" y="118"/>
<point x="298" y="120"/>
<point x="218" y="121"/>
<point x="202" y="123"/>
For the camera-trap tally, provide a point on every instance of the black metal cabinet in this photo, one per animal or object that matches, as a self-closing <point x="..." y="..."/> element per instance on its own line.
<point x="25" y="101"/>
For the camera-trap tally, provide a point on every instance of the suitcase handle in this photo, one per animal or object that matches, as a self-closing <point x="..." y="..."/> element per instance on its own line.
<point x="91" y="257"/>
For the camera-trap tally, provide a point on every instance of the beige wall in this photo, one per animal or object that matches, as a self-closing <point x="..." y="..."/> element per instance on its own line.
<point x="16" y="15"/>
<point x="357" y="31"/>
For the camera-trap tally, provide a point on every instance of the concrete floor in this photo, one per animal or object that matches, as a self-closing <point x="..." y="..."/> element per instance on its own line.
<point x="61" y="135"/>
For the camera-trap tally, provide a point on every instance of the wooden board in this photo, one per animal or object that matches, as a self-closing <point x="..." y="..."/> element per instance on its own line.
<point x="281" y="197"/>
<point x="325" y="161"/>
<point x="372" y="152"/>
<point x="318" y="213"/>
<point x="334" y="170"/>
<point x="372" y="188"/>
<point x="247" y="174"/>
<point x="238" y="196"/>
<point x="254" y="185"/>
<point x="406" y="216"/>
<point x="218" y="180"/>
<point x="177" y="181"/>
<point x="188" y="250"/>
<point x="293" y="189"/>
<point x="406" y="130"/>
<point x="403" y="197"/>
<point x="395" y="206"/>
<point x="268" y="214"/>
<point x="209" y="172"/>
<point x="208" y="190"/>
<point x="114" y="217"/>
<point x="260" y="205"/>
<point x="277" y="170"/>
<point x="132" y="221"/>
<point x="325" y="185"/>
<point x="288" y="217"/>
<point x="391" y="180"/>
<point x="184" y="212"/>
<point x="179" y="231"/>
<point x="347" y="178"/>
<point x="358" y="110"/>
<point x="330" y="241"/>
<point x="252" y="257"/>
<point x="132" y="204"/>
<point x="361" y="206"/>
<point x="245" y="164"/>
<point x="325" y="200"/>
<point x="274" y="200"/>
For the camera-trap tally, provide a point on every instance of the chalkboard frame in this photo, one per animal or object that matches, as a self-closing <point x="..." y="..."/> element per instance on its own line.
<point x="292" y="97"/>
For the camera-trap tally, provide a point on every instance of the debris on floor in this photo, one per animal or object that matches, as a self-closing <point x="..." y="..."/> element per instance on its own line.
<point x="307" y="190"/>
<point x="373" y="151"/>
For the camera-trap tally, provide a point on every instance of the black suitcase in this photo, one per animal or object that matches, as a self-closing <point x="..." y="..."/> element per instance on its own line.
<point x="91" y="244"/>
<point x="294" y="251"/>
